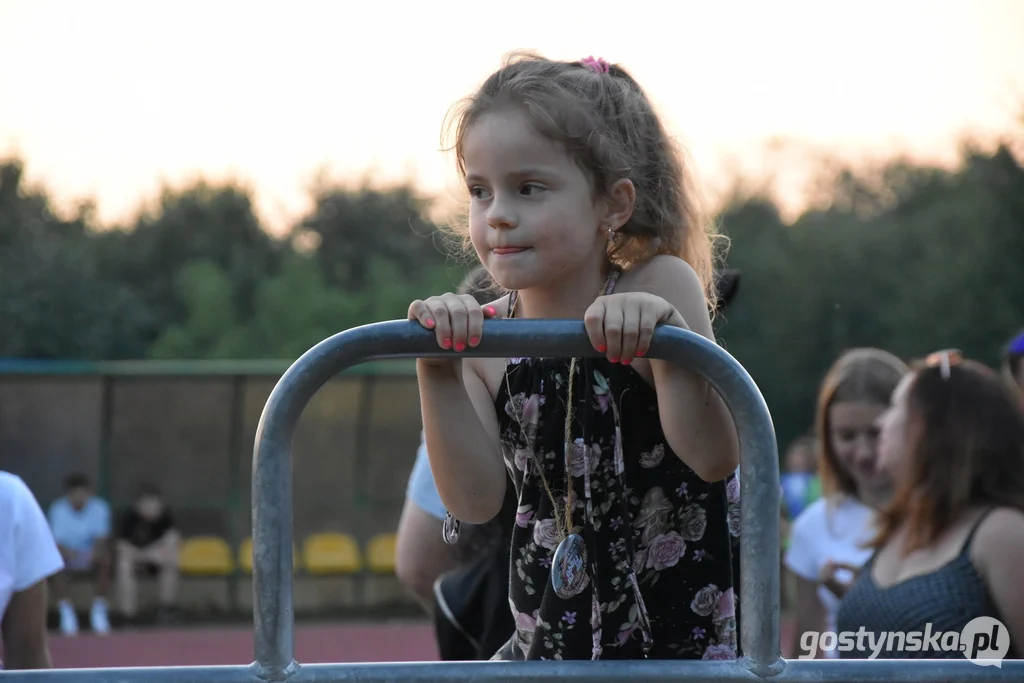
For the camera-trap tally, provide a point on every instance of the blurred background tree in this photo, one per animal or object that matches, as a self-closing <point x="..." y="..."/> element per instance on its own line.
<point x="900" y="255"/>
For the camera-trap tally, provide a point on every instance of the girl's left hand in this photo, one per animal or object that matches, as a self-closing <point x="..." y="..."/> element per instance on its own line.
<point x="621" y="325"/>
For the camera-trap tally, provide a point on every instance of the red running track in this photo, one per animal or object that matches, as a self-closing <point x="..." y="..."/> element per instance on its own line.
<point x="397" y="642"/>
<point x="400" y="642"/>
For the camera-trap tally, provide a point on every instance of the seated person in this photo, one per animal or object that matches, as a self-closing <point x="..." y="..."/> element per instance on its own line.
<point x="80" y="522"/>
<point x="147" y="540"/>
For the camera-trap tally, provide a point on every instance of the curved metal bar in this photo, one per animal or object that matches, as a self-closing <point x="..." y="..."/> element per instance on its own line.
<point x="664" y="671"/>
<point x="272" y="488"/>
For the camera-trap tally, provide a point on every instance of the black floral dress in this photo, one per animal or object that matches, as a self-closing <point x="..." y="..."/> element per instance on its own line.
<point x="660" y="542"/>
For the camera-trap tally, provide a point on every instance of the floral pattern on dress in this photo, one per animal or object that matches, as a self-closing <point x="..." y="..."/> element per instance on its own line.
<point x="651" y="517"/>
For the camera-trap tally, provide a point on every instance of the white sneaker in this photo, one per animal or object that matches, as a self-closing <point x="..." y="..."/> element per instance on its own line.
<point x="98" y="619"/>
<point x="68" y="619"/>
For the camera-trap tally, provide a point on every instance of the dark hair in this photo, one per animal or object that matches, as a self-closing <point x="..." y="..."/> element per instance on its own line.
<point x="608" y="126"/>
<point x="77" y="480"/>
<point x="727" y="285"/>
<point x="859" y="375"/>
<point x="965" y="448"/>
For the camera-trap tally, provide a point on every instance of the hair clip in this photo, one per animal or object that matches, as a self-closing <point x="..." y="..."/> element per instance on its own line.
<point x="944" y="360"/>
<point x="596" y="64"/>
<point x="1017" y="345"/>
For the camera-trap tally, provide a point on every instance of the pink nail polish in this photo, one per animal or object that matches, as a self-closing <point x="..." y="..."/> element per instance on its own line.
<point x="601" y="348"/>
<point x="473" y="341"/>
<point x="626" y="361"/>
<point x="446" y="343"/>
<point x="614" y="359"/>
<point x="490" y="310"/>
<point x="460" y="346"/>
<point x="430" y="323"/>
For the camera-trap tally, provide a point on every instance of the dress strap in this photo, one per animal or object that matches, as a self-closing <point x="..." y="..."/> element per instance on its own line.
<point x="974" y="529"/>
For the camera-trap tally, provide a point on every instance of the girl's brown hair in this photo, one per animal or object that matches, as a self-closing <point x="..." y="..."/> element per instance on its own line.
<point x="866" y="375"/>
<point x="607" y="125"/>
<point x="965" y="448"/>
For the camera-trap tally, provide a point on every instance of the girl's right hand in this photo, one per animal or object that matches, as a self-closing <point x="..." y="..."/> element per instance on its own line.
<point x="457" y="321"/>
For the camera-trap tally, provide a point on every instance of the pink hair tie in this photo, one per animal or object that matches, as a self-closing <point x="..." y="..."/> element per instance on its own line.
<point x="597" y="65"/>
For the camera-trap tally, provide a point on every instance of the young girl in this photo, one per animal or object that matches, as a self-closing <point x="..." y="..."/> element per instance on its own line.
<point x="951" y="543"/>
<point x="828" y="537"/>
<point x="623" y="466"/>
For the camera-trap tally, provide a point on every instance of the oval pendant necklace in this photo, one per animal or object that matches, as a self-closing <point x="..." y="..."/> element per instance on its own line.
<point x="569" y="576"/>
<point x="569" y="567"/>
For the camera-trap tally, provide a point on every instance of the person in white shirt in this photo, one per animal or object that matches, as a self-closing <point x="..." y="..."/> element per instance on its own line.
<point x="828" y="539"/>
<point x="28" y="557"/>
<point x="81" y="525"/>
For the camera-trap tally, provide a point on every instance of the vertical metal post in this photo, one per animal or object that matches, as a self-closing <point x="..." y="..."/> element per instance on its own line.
<point x="235" y="439"/>
<point x="106" y="436"/>
<point x="361" y="456"/>
<point x="358" y="485"/>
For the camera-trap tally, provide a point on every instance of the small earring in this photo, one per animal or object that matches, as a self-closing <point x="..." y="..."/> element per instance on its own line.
<point x="611" y="234"/>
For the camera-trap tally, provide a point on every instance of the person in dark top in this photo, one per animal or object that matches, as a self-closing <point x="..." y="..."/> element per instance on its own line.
<point x="147" y="540"/>
<point x="951" y="543"/>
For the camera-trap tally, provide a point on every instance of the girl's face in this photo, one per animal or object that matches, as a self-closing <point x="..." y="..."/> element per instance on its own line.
<point x="533" y="219"/>
<point x="853" y="435"/>
<point x="894" y="439"/>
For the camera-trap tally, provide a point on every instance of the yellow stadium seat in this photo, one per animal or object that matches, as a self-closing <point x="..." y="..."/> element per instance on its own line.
<point x="245" y="556"/>
<point x="205" y="556"/>
<point x="331" y="553"/>
<point x="381" y="554"/>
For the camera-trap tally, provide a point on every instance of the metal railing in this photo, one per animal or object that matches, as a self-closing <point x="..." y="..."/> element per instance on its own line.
<point x="759" y="492"/>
